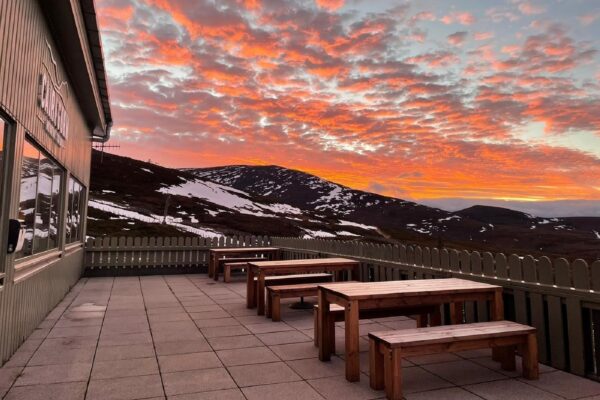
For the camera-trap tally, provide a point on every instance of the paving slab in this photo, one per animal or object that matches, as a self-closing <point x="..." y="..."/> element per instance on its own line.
<point x="129" y="388"/>
<point x="123" y="368"/>
<point x="196" y="381"/>
<point x="249" y="355"/>
<point x="58" y="391"/>
<point x="59" y="373"/>
<point x="189" y="361"/>
<point x="289" y="391"/>
<point x="251" y="375"/>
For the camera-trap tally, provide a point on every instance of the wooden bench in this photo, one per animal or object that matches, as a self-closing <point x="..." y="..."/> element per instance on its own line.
<point x="387" y="348"/>
<point x="240" y="261"/>
<point x="422" y="312"/>
<point x="275" y="293"/>
<point x="279" y="280"/>
<point x="236" y="266"/>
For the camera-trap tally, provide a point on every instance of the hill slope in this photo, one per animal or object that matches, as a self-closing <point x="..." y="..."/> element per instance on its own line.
<point x="129" y="197"/>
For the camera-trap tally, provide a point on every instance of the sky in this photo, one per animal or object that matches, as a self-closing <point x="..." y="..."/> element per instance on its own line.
<point x="423" y="100"/>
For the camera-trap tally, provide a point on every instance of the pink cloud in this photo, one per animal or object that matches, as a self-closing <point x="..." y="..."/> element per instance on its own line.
<point x="529" y="8"/>
<point x="457" y="38"/>
<point x="588" y="19"/>
<point x="331" y="5"/>
<point x="483" y="35"/>
<point x="464" y="18"/>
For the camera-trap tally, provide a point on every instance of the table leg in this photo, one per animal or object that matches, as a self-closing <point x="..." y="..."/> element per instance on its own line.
<point x="356" y="273"/>
<point x="456" y="312"/>
<point x="216" y="270"/>
<point x="260" y="293"/>
<point x="497" y="306"/>
<point x="352" y="342"/>
<point x="211" y="257"/>
<point x="497" y="314"/>
<point x="250" y="289"/>
<point x="324" y="331"/>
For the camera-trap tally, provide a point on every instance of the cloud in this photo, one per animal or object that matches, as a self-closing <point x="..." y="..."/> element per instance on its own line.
<point x="331" y="5"/>
<point x="463" y="18"/>
<point x="356" y="95"/>
<point x="483" y="35"/>
<point x="528" y="8"/>
<point x="457" y="38"/>
<point x="590" y="18"/>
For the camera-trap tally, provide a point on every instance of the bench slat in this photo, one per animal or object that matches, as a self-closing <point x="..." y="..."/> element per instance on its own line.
<point x="452" y="333"/>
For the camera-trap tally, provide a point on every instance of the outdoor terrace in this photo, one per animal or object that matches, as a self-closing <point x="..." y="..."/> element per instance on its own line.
<point x="187" y="337"/>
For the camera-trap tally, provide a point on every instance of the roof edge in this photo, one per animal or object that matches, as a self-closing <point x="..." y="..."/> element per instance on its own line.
<point x="94" y="39"/>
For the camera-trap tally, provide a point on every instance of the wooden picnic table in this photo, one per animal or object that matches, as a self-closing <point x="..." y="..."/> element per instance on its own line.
<point x="215" y="254"/>
<point x="372" y="295"/>
<point x="261" y="269"/>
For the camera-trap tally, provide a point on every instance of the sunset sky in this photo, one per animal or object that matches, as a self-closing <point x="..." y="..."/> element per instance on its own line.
<point x="418" y="100"/>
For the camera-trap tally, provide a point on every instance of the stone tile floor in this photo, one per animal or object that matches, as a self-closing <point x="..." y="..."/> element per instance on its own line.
<point x="184" y="337"/>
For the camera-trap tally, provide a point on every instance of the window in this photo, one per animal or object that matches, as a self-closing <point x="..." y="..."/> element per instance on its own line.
<point x="3" y="129"/>
<point x="39" y="201"/>
<point x="76" y="196"/>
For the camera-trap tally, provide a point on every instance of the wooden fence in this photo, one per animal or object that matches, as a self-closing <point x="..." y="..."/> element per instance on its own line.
<point x="561" y="299"/>
<point x="138" y="255"/>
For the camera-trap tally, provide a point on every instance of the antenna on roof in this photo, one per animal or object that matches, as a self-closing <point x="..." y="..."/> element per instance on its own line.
<point x="103" y="146"/>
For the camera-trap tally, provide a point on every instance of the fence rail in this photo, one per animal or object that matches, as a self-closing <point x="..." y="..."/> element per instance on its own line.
<point x="560" y="299"/>
<point x="117" y="255"/>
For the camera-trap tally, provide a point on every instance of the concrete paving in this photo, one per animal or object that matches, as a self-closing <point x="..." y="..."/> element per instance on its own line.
<point x="185" y="337"/>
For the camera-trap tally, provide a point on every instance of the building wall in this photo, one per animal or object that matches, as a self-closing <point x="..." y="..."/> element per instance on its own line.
<point x="30" y="290"/>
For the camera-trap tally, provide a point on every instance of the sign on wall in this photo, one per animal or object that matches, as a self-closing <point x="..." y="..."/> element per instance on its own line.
<point x="50" y="100"/>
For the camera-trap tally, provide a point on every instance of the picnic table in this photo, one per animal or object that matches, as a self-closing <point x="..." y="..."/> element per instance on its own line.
<point x="372" y="295"/>
<point x="215" y="254"/>
<point x="255" y="294"/>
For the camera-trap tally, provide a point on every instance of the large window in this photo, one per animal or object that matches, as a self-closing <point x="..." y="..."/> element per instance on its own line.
<point x="39" y="202"/>
<point x="76" y="197"/>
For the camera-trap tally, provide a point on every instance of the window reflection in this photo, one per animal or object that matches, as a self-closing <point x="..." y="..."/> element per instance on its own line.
<point x="39" y="201"/>
<point x="76" y="195"/>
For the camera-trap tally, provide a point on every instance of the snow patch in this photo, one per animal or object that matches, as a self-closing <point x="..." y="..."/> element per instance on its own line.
<point x="356" y="225"/>
<point x="227" y="197"/>
<point x="310" y="234"/>
<point x="124" y="213"/>
<point x="450" y="218"/>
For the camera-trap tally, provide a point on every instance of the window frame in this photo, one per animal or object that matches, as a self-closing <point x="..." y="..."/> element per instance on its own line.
<point x="6" y="155"/>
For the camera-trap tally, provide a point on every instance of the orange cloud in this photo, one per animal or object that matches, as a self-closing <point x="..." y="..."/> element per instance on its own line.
<point x="354" y="97"/>
<point x="331" y="5"/>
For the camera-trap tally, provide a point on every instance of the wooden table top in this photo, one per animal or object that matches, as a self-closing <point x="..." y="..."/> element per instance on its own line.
<point x="321" y="262"/>
<point x="243" y="249"/>
<point x="417" y="287"/>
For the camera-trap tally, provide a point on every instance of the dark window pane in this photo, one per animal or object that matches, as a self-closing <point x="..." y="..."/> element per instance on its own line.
<point x="76" y="197"/>
<point x="2" y="133"/>
<point x="69" y="227"/>
<point x="76" y="217"/>
<point x="44" y="196"/>
<point x="29" y="182"/>
<point x="55" y="208"/>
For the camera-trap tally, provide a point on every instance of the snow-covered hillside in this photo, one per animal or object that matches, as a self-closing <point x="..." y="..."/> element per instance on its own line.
<point x="132" y="197"/>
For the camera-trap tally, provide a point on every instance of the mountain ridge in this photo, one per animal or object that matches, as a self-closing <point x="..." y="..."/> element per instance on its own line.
<point x="129" y="197"/>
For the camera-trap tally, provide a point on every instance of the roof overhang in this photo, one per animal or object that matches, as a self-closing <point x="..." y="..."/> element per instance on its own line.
<point x="84" y="68"/>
